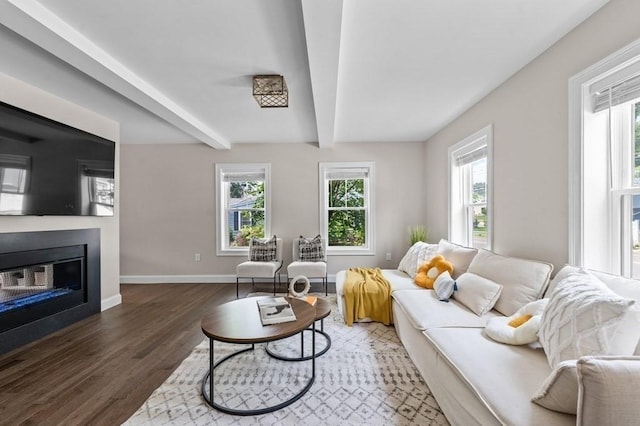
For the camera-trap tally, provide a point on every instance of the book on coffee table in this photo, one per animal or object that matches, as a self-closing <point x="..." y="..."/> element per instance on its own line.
<point x="274" y="310"/>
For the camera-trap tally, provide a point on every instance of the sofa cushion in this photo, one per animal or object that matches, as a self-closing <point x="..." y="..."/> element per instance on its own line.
<point x="503" y="377"/>
<point x="424" y="310"/>
<point x="523" y="280"/>
<point x="559" y="391"/>
<point x="625" y="287"/>
<point x="477" y="293"/>
<point x="584" y="317"/>
<point x="417" y="254"/>
<point x="459" y="256"/>
<point x="604" y="396"/>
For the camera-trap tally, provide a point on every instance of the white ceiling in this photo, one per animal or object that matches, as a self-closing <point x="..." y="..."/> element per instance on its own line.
<point x="179" y="71"/>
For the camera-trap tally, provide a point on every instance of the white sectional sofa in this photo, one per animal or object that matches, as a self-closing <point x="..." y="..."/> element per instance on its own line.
<point x="479" y="381"/>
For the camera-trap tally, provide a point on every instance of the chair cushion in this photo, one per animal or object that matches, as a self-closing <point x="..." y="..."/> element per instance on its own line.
<point x="308" y="269"/>
<point x="250" y="269"/>
<point x="261" y="250"/>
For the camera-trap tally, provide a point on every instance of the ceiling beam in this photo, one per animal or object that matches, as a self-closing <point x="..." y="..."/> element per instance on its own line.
<point x="31" y="20"/>
<point x="322" y="27"/>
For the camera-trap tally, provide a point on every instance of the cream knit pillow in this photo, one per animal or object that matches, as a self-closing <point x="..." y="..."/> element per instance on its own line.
<point x="584" y="317"/>
<point x="417" y="254"/>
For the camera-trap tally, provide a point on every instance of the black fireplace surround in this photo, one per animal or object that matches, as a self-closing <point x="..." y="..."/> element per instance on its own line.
<point x="72" y="259"/>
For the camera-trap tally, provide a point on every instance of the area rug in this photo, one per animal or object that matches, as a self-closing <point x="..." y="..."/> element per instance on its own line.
<point x="366" y="377"/>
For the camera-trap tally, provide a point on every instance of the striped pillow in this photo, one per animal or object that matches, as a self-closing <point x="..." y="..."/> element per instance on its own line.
<point x="310" y="250"/>
<point x="263" y="250"/>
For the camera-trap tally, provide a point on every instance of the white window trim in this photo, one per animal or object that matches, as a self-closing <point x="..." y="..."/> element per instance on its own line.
<point x="629" y="56"/>
<point x="369" y="249"/>
<point x="478" y="139"/>
<point x="220" y="168"/>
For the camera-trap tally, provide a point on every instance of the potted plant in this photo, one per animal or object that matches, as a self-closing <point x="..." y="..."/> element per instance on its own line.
<point x="418" y="233"/>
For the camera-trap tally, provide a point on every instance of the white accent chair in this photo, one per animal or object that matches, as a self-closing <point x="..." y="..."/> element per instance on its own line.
<point x="253" y="270"/>
<point x="311" y="270"/>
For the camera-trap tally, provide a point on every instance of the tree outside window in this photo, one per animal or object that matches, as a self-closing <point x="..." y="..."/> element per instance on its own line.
<point x="347" y="212"/>
<point x="347" y="220"/>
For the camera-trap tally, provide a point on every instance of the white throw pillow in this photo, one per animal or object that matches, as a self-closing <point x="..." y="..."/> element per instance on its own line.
<point x="584" y="317"/>
<point x="417" y="254"/>
<point x="444" y="286"/>
<point x="459" y="256"/>
<point x="500" y="330"/>
<point x="559" y="392"/>
<point x="523" y="280"/>
<point x="477" y="293"/>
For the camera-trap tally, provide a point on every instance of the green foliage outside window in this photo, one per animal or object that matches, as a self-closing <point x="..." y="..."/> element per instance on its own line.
<point x="346" y="213"/>
<point x="252" y="215"/>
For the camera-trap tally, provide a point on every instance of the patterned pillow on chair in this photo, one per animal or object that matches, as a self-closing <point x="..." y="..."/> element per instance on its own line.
<point x="310" y="250"/>
<point x="263" y="250"/>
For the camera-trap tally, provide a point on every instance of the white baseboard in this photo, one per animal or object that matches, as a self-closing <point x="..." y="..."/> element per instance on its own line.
<point x="110" y="302"/>
<point x="172" y="279"/>
<point x="190" y="279"/>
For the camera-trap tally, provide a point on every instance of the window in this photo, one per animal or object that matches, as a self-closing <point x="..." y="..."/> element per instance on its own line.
<point x="13" y="183"/>
<point x="470" y="190"/>
<point x="346" y="216"/>
<point x="243" y="206"/>
<point x="97" y="187"/>
<point x="605" y="165"/>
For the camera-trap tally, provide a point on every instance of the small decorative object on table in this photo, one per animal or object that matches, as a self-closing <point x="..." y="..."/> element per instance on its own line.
<point x="303" y="294"/>
<point x="275" y="310"/>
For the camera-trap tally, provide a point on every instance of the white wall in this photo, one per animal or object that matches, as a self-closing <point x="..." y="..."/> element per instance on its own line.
<point x="530" y="117"/>
<point x="168" y="203"/>
<point x="22" y="95"/>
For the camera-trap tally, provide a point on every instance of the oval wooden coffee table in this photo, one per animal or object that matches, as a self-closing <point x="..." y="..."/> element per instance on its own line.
<point x="323" y="309"/>
<point x="239" y="322"/>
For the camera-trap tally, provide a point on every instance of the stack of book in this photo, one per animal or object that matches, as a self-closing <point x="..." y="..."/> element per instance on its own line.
<point x="275" y="310"/>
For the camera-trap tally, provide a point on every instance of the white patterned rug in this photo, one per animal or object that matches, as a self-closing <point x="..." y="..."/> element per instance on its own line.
<point x="366" y="377"/>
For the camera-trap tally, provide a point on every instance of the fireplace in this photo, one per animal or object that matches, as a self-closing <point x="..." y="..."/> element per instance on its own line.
<point x="48" y="280"/>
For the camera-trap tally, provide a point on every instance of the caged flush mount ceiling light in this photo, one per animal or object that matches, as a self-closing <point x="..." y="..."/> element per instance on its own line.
<point x="270" y="91"/>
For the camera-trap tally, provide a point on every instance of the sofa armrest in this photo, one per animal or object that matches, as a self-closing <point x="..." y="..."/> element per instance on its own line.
<point x="608" y="390"/>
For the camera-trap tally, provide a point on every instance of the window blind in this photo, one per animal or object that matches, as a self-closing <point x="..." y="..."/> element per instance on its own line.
<point x="469" y="157"/>
<point x="99" y="173"/>
<point x="9" y="161"/>
<point x="243" y="176"/>
<point x="619" y="93"/>
<point x="351" y="173"/>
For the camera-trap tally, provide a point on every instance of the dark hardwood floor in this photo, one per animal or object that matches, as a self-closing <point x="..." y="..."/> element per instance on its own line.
<point x="100" y="370"/>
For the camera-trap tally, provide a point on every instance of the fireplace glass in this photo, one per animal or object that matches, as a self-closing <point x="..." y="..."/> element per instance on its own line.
<point x="28" y="293"/>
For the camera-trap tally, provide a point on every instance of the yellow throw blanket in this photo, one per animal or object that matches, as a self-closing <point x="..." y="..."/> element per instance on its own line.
<point x="367" y="294"/>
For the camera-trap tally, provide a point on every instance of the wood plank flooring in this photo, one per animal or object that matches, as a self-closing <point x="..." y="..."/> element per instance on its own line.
<point x="100" y="370"/>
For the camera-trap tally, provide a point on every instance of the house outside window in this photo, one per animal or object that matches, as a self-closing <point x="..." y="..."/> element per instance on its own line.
<point x="346" y="216"/>
<point x="470" y="190"/>
<point x="243" y="206"/>
<point x="604" y="184"/>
